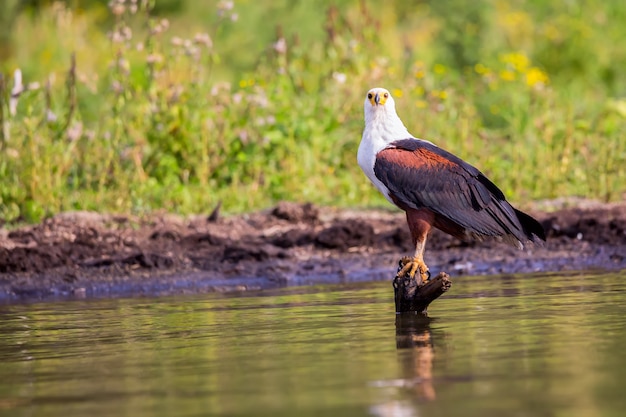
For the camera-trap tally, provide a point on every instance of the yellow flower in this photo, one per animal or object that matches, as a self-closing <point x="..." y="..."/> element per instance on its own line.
<point x="507" y="75"/>
<point x="246" y="83"/>
<point x="440" y="69"/>
<point x="517" y="60"/>
<point x="421" y="104"/>
<point x="481" y="69"/>
<point x="536" y="77"/>
<point x="552" y="32"/>
<point x="516" y="19"/>
<point x="441" y="94"/>
<point x="397" y="92"/>
<point x="418" y="67"/>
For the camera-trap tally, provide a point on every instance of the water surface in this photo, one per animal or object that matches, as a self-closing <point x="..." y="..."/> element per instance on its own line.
<point x="540" y="345"/>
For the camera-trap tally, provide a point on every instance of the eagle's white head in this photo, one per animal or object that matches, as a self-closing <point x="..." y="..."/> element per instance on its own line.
<point x="378" y="103"/>
<point x="380" y="115"/>
<point x="382" y="127"/>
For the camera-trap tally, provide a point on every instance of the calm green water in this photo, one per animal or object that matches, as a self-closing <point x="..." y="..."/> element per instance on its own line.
<point x="494" y="346"/>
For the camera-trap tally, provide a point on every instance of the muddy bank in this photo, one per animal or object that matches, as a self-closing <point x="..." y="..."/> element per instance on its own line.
<point x="86" y="254"/>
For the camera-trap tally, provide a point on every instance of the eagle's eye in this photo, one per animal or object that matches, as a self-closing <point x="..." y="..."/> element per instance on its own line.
<point x="386" y="95"/>
<point x="369" y="95"/>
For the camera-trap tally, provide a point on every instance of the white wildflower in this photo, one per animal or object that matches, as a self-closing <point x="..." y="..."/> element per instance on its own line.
<point x="117" y="87"/>
<point x="243" y="136"/>
<point x="176" y="41"/>
<point x="192" y="51"/>
<point x="219" y="87"/>
<point x="280" y="46"/>
<point x="124" y="65"/>
<point x="224" y="6"/>
<point x="117" y="9"/>
<point x="154" y="59"/>
<point x="339" y="77"/>
<point x="203" y="39"/>
<point x="75" y="131"/>
<point x="18" y="88"/>
<point x="50" y="116"/>
<point x="116" y="36"/>
<point x="175" y="93"/>
<point x="12" y="153"/>
<point x="126" y="33"/>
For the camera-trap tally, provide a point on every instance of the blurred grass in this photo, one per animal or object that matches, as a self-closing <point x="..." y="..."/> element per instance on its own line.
<point x="190" y="103"/>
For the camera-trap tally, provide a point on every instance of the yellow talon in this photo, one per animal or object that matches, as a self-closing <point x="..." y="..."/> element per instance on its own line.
<point x="411" y="266"/>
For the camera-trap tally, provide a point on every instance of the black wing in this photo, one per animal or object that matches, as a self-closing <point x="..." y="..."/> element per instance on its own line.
<point x="419" y="174"/>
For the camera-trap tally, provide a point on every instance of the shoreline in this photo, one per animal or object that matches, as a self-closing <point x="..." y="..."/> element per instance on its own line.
<point x="78" y="255"/>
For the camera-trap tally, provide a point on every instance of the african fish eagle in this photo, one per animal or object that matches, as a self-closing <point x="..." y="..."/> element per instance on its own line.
<point x="434" y="187"/>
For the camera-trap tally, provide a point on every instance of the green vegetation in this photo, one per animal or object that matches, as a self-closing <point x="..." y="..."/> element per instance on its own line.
<point x="132" y="109"/>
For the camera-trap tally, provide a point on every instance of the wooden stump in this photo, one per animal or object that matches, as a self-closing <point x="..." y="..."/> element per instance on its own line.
<point x="411" y="296"/>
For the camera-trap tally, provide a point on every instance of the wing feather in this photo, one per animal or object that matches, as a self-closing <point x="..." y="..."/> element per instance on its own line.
<point x="419" y="174"/>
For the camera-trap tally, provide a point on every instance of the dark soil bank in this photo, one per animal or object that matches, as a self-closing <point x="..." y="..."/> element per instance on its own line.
<point x="85" y="254"/>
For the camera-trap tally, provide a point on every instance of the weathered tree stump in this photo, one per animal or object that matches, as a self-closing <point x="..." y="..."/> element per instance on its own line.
<point x="411" y="296"/>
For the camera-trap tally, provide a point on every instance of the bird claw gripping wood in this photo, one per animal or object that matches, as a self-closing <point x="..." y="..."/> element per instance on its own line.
<point x="412" y="296"/>
<point x="408" y="268"/>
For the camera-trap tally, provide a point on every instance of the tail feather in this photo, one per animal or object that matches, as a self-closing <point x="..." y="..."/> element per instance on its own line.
<point x="533" y="230"/>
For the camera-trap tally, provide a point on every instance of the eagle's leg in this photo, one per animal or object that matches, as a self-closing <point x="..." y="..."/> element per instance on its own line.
<point x="420" y="222"/>
<point x="412" y="265"/>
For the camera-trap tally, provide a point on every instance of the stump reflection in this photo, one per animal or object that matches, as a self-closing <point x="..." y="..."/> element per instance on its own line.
<point x="413" y="333"/>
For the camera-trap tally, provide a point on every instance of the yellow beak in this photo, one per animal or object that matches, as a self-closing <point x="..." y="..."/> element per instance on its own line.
<point x="378" y="100"/>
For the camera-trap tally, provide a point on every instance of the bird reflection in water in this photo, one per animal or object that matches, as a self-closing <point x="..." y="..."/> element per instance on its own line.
<point x="414" y="341"/>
